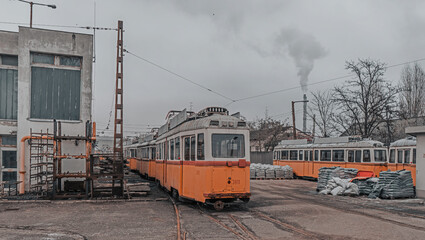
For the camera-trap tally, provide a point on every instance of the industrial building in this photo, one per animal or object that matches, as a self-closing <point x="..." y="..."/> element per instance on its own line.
<point x="44" y="75"/>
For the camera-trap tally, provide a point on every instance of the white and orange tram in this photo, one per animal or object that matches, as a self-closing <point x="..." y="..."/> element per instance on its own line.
<point x="202" y="157"/>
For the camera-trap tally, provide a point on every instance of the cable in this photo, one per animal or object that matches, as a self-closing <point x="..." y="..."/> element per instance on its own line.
<point x="64" y="26"/>
<point x="178" y="75"/>
<point x="315" y="83"/>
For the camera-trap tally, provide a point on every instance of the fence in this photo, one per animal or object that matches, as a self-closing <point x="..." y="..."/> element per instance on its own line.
<point x="262" y="157"/>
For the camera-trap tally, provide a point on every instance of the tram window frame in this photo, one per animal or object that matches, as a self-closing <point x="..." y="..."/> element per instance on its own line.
<point x="284" y="156"/>
<point x="336" y="157"/>
<point x="365" y="158"/>
<point x="171" y="149"/>
<point x="177" y="148"/>
<point x="399" y="156"/>
<point x="186" y="148"/>
<point x="200" y="147"/>
<point x="292" y="156"/>
<point x="392" y="156"/>
<point x="192" y="148"/>
<point x="316" y="155"/>
<point x="350" y="155"/>
<point x="306" y="157"/>
<point x="375" y="155"/>
<point x="278" y="156"/>
<point x="414" y="156"/>
<point x="324" y="154"/>
<point x="357" y="156"/>
<point x="407" y="156"/>
<point x="301" y="155"/>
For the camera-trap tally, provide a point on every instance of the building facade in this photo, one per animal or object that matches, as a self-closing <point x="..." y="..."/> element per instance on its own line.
<point x="44" y="75"/>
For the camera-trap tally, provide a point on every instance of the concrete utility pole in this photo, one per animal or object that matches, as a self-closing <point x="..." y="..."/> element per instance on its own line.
<point x="293" y="117"/>
<point x="34" y="3"/>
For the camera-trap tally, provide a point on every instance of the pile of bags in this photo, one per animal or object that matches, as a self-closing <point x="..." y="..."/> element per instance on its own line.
<point x="258" y="170"/>
<point x="397" y="184"/>
<point x="327" y="173"/>
<point x="366" y="185"/>
<point x="338" y="186"/>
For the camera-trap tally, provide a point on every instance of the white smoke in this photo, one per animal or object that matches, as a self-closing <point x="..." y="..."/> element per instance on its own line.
<point x="303" y="48"/>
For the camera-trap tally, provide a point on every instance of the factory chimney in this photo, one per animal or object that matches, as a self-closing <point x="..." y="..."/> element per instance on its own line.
<point x="305" y="113"/>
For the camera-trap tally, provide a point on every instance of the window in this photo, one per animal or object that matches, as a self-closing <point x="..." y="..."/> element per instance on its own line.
<point x="406" y="156"/>
<point x="301" y="155"/>
<point x="167" y="150"/>
<point x="306" y="155"/>
<point x="160" y="151"/>
<point x="228" y="146"/>
<point x="338" y="155"/>
<point x="325" y="155"/>
<point x="284" y="155"/>
<point x="9" y="177"/>
<point x="399" y="156"/>
<point x="70" y="61"/>
<point x="8" y="140"/>
<point x="9" y="159"/>
<point x="43" y="58"/>
<point x="316" y="155"/>
<point x="187" y="148"/>
<point x="392" y="156"/>
<point x="380" y="156"/>
<point x="366" y="155"/>
<point x="201" y="154"/>
<point x="8" y="94"/>
<point x="9" y="60"/>
<point x="293" y="155"/>
<point x="177" y="141"/>
<point x="358" y="156"/>
<point x="414" y="156"/>
<point x="153" y="153"/>
<point x="311" y="155"/>
<point x="171" y="149"/>
<point x="350" y="156"/>
<point x="192" y="148"/>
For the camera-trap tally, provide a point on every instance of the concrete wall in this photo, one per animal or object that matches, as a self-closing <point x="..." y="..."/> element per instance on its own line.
<point x="262" y="157"/>
<point x="29" y="40"/>
<point x="419" y="132"/>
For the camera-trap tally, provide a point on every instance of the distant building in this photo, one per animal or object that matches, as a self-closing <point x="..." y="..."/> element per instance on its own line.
<point x="44" y="75"/>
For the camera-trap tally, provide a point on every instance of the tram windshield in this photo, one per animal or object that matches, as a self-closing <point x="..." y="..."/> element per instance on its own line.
<point x="228" y="146"/>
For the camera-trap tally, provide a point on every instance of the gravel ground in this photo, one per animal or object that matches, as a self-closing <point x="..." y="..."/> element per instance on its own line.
<point x="279" y="209"/>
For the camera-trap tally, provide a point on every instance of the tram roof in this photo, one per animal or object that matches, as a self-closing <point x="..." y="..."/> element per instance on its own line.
<point x="409" y="141"/>
<point x="356" y="144"/>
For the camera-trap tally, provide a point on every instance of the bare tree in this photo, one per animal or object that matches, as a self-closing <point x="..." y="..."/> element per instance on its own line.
<point x="322" y="106"/>
<point x="363" y="101"/>
<point x="412" y="95"/>
<point x="265" y="133"/>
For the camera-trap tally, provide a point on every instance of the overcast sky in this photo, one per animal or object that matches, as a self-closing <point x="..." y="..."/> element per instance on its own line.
<point x="238" y="48"/>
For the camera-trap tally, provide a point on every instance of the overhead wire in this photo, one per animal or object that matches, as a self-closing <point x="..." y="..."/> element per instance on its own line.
<point x="63" y="26"/>
<point x="178" y="75"/>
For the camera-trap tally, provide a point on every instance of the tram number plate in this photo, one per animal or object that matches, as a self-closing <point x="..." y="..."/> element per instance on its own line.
<point x="236" y="181"/>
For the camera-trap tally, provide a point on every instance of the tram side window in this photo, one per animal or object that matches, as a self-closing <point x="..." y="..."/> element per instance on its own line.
<point x="301" y="155"/>
<point x="392" y="156"/>
<point x="278" y="155"/>
<point x="358" y="156"/>
<point x="406" y="156"/>
<point x="172" y="149"/>
<point x="316" y="155"/>
<point x="338" y="156"/>
<point x="350" y="156"/>
<point x="399" y="156"/>
<point x="293" y="155"/>
<point x="177" y="141"/>
<point x="306" y="155"/>
<point x="284" y="155"/>
<point x="201" y="152"/>
<point x="311" y="155"/>
<point x="153" y="152"/>
<point x="160" y="151"/>
<point x="192" y="148"/>
<point x="325" y="155"/>
<point x="380" y="156"/>
<point x="187" y="148"/>
<point x="366" y="155"/>
<point x="167" y="150"/>
<point x="414" y="156"/>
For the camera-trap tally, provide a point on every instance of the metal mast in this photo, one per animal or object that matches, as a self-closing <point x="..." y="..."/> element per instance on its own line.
<point x="118" y="129"/>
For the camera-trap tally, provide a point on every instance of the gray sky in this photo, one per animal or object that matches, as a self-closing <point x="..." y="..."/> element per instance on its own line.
<point x="239" y="48"/>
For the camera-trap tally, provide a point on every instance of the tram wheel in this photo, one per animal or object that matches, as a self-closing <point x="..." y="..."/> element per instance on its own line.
<point x="175" y="194"/>
<point x="219" y="205"/>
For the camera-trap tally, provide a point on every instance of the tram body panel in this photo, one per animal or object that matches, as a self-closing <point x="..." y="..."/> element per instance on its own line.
<point x="152" y="168"/>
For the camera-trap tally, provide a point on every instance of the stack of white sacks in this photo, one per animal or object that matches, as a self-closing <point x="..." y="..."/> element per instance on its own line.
<point x="258" y="170"/>
<point x="336" y="181"/>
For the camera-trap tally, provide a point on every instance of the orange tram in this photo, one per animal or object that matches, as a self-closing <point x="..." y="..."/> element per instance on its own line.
<point x="307" y="157"/>
<point x="198" y="156"/>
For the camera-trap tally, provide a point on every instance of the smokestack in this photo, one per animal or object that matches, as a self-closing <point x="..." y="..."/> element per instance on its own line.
<point x="305" y="113"/>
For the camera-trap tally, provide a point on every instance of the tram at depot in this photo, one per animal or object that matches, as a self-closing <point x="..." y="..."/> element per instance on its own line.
<point x="200" y="156"/>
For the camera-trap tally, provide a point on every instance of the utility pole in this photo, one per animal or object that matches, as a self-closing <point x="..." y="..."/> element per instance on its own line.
<point x="293" y="117"/>
<point x="34" y="3"/>
<point x="314" y="125"/>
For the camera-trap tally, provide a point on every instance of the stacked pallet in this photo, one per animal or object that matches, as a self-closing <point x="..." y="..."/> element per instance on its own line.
<point x="327" y="173"/>
<point x="391" y="185"/>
